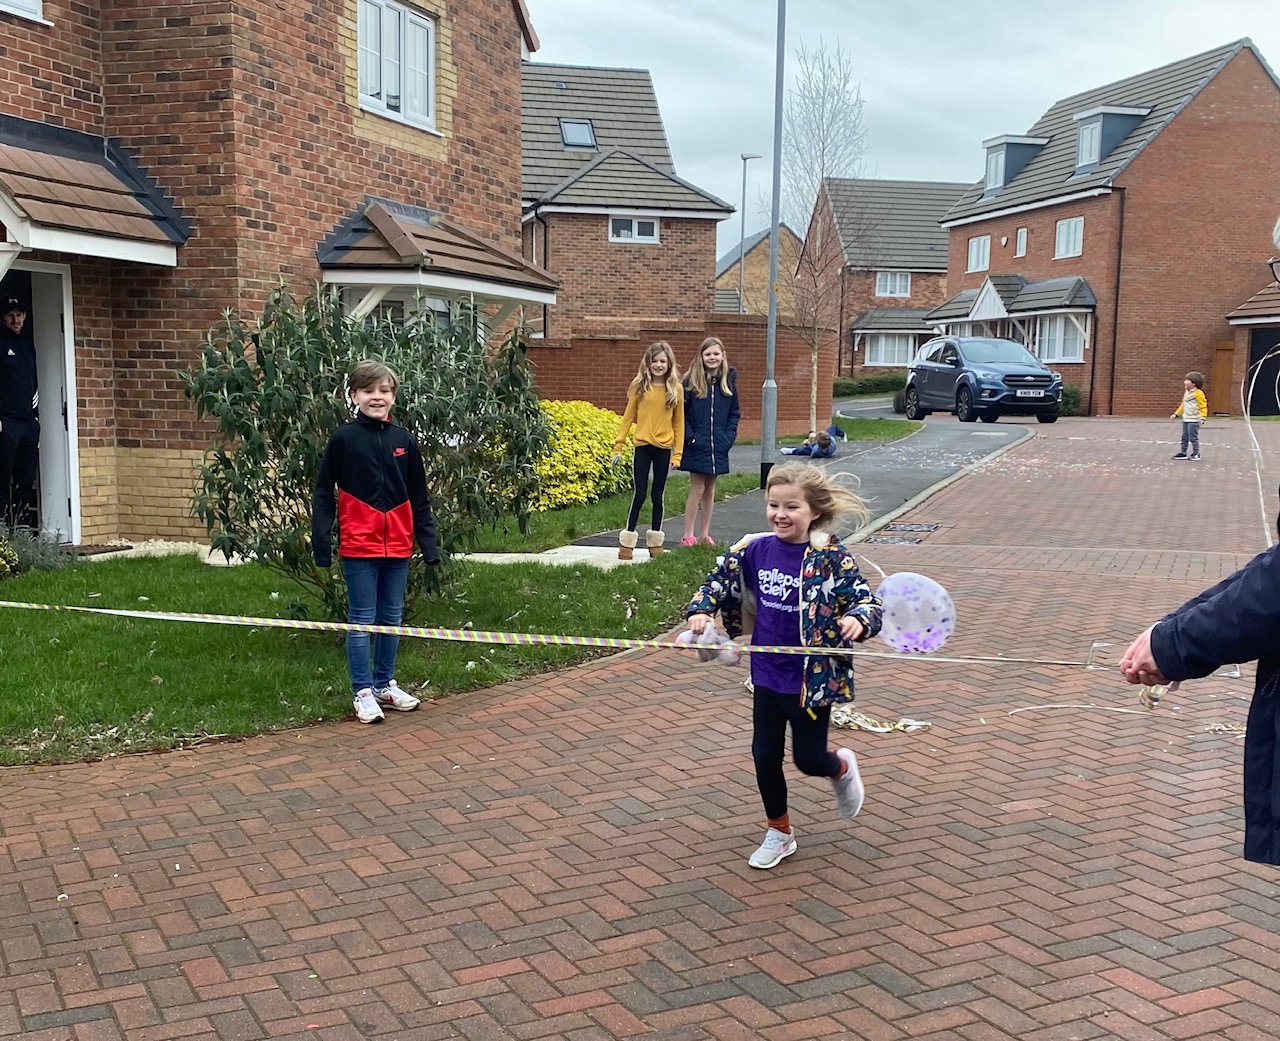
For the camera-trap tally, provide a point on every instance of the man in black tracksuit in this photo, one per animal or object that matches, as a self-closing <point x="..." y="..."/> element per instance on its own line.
<point x="19" y="419"/>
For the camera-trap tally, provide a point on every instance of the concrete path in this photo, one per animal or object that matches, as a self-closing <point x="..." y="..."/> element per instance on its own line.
<point x="566" y="857"/>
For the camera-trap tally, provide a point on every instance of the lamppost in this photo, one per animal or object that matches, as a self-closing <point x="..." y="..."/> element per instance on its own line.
<point x="769" y="397"/>
<point x="742" y="235"/>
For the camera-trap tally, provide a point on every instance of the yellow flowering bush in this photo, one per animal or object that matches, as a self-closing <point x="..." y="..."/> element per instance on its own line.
<point x="576" y="469"/>
<point x="8" y="559"/>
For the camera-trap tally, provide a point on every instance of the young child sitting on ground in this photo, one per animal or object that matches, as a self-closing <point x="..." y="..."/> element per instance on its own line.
<point x="819" y="445"/>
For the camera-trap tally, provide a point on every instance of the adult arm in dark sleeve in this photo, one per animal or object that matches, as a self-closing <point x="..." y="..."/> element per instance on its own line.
<point x="424" y="522"/>
<point x="324" y="506"/>
<point x="1239" y="622"/>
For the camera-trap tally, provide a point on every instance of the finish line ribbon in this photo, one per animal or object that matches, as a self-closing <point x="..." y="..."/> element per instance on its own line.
<point x="512" y="639"/>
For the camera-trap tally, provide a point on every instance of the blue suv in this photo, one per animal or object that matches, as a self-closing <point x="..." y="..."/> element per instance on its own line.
<point x="981" y="378"/>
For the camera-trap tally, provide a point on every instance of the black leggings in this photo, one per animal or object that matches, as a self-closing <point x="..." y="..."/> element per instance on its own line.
<point x="659" y="459"/>
<point x="771" y="712"/>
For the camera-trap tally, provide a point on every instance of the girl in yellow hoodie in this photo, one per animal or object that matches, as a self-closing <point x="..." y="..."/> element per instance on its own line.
<point x="655" y="405"/>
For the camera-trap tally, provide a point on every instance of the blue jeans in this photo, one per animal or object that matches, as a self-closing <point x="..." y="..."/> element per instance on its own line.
<point x="375" y="596"/>
<point x="1191" y="436"/>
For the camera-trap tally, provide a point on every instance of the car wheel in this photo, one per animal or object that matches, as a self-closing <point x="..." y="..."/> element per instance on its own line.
<point x="1047" y="417"/>
<point x="965" y="411"/>
<point x="989" y="416"/>
<point x="914" y="411"/>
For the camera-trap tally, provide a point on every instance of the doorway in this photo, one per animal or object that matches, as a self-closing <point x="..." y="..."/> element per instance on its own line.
<point x="47" y="290"/>
<point x="1220" y="386"/>
<point x="1264" y="360"/>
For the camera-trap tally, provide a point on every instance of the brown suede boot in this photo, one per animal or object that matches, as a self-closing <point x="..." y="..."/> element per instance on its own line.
<point x="653" y="540"/>
<point x="627" y="544"/>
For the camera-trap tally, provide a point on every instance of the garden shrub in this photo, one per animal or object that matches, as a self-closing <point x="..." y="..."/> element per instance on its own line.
<point x="8" y="559"/>
<point x="1072" y="400"/>
<point x="871" y="383"/>
<point x="275" y="391"/>
<point x="36" y="551"/>
<point x="576" y="469"/>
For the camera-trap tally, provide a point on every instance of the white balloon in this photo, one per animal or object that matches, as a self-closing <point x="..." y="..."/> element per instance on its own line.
<point x="919" y="615"/>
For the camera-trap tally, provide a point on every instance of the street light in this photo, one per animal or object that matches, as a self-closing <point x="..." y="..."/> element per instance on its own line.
<point x="769" y="396"/>
<point x="742" y="236"/>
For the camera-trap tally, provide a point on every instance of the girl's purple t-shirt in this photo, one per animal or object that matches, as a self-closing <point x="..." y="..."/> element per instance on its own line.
<point x="772" y="573"/>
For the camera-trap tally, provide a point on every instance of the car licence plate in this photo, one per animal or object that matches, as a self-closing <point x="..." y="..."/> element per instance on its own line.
<point x="1030" y="393"/>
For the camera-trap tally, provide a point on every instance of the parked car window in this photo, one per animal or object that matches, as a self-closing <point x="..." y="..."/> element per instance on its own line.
<point x="988" y="351"/>
<point x="949" y="354"/>
<point x="929" y="352"/>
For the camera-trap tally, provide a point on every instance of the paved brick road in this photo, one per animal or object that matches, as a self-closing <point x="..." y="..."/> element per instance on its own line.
<point x="567" y="860"/>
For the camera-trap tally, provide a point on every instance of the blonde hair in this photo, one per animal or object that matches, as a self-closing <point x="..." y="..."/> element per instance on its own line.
<point x="696" y="377"/>
<point x="644" y="379"/>
<point x="371" y="372"/>
<point x="828" y="500"/>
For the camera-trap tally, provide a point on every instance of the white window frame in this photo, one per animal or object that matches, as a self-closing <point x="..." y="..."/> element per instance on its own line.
<point x="1068" y="238"/>
<point x="890" y="350"/>
<point x="635" y="238"/>
<point x="591" y="133"/>
<point x="1020" y="243"/>
<point x="1058" y="339"/>
<point x="1089" y="143"/>
<point x="979" y="253"/>
<point x="896" y="284"/>
<point x="33" y="9"/>
<point x="995" y="168"/>
<point x="376" y="65"/>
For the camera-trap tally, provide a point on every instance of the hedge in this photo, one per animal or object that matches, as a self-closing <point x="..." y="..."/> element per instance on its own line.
<point x="576" y="470"/>
<point x="872" y="383"/>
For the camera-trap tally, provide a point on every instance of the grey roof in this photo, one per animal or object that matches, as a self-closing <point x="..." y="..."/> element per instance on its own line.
<point x="892" y="224"/>
<point x="893" y="320"/>
<point x="729" y="259"/>
<point x="1052" y="172"/>
<point x="621" y="179"/>
<point x="620" y="103"/>
<point x="1263" y="304"/>
<point x="1022" y="297"/>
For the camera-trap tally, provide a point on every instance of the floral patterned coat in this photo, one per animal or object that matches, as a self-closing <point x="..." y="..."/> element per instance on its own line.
<point x="830" y="588"/>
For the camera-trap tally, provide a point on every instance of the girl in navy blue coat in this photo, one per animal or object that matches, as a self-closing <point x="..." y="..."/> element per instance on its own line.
<point x="1237" y="620"/>
<point x="710" y="429"/>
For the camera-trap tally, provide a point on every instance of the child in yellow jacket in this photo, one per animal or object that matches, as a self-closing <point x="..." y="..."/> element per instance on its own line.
<point x="655" y="404"/>
<point x="1192" y="411"/>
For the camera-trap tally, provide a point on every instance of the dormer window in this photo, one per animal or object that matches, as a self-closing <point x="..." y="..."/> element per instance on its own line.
<point x="1089" y="143"/>
<point x="1100" y="129"/>
<point x="577" y="133"/>
<point x="995" y="168"/>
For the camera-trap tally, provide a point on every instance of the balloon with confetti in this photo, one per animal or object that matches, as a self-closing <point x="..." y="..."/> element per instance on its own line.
<point x="919" y="616"/>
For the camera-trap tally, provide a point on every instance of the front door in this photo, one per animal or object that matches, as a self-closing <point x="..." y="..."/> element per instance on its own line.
<point x="1221" y="392"/>
<point x="1264" y="372"/>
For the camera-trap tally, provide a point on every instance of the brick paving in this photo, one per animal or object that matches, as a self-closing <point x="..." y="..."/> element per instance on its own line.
<point x="567" y="859"/>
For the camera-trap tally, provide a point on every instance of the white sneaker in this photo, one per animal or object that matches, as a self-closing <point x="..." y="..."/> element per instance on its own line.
<point x="394" y="696"/>
<point x="849" y="789"/>
<point x="366" y="705"/>
<point x="776" y="845"/>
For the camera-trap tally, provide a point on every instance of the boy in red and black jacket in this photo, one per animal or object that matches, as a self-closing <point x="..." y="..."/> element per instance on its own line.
<point x="381" y="506"/>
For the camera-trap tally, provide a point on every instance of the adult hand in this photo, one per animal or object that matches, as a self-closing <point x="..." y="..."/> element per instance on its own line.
<point x="1138" y="664"/>
<point x="851" y="628"/>
<point x="698" y="623"/>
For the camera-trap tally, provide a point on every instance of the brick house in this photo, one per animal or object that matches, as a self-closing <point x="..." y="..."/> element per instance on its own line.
<point x="754" y="274"/>
<point x="1115" y="235"/>
<point x="160" y="164"/>
<point x="877" y="258"/>
<point x="629" y="241"/>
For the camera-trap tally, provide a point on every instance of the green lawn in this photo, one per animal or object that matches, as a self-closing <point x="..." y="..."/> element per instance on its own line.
<point x="80" y="686"/>
<point x="560" y="527"/>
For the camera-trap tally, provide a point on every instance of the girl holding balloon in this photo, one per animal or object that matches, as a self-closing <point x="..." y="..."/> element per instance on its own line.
<point x="795" y="586"/>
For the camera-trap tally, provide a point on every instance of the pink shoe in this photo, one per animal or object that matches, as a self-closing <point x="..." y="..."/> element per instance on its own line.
<point x="688" y="540"/>
<point x="707" y="540"/>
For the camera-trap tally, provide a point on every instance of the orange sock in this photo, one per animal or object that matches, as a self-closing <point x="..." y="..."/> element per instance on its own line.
<point x="782" y="824"/>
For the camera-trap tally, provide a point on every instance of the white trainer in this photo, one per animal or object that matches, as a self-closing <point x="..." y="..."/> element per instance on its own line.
<point x="776" y="845"/>
<point x="366" y="705"/>
<point x="850" y="791"/>
<point x="394" y="696"/>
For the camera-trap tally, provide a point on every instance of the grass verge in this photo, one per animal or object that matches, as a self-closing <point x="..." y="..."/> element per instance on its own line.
<point x="560" y="527"/>
<point x="84" y="687"/>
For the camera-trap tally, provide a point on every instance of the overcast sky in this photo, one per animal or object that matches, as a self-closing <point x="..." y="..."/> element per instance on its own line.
<point x="937" y="76"/>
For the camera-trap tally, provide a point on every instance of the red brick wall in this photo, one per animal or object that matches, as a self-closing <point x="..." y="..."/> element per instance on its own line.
<point x="53" y="74"/>
<point x="607" y="285"/>
<point x="928" y="289"/>
<point x="1202" y="200"/>
<point x="599" y="370"/>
